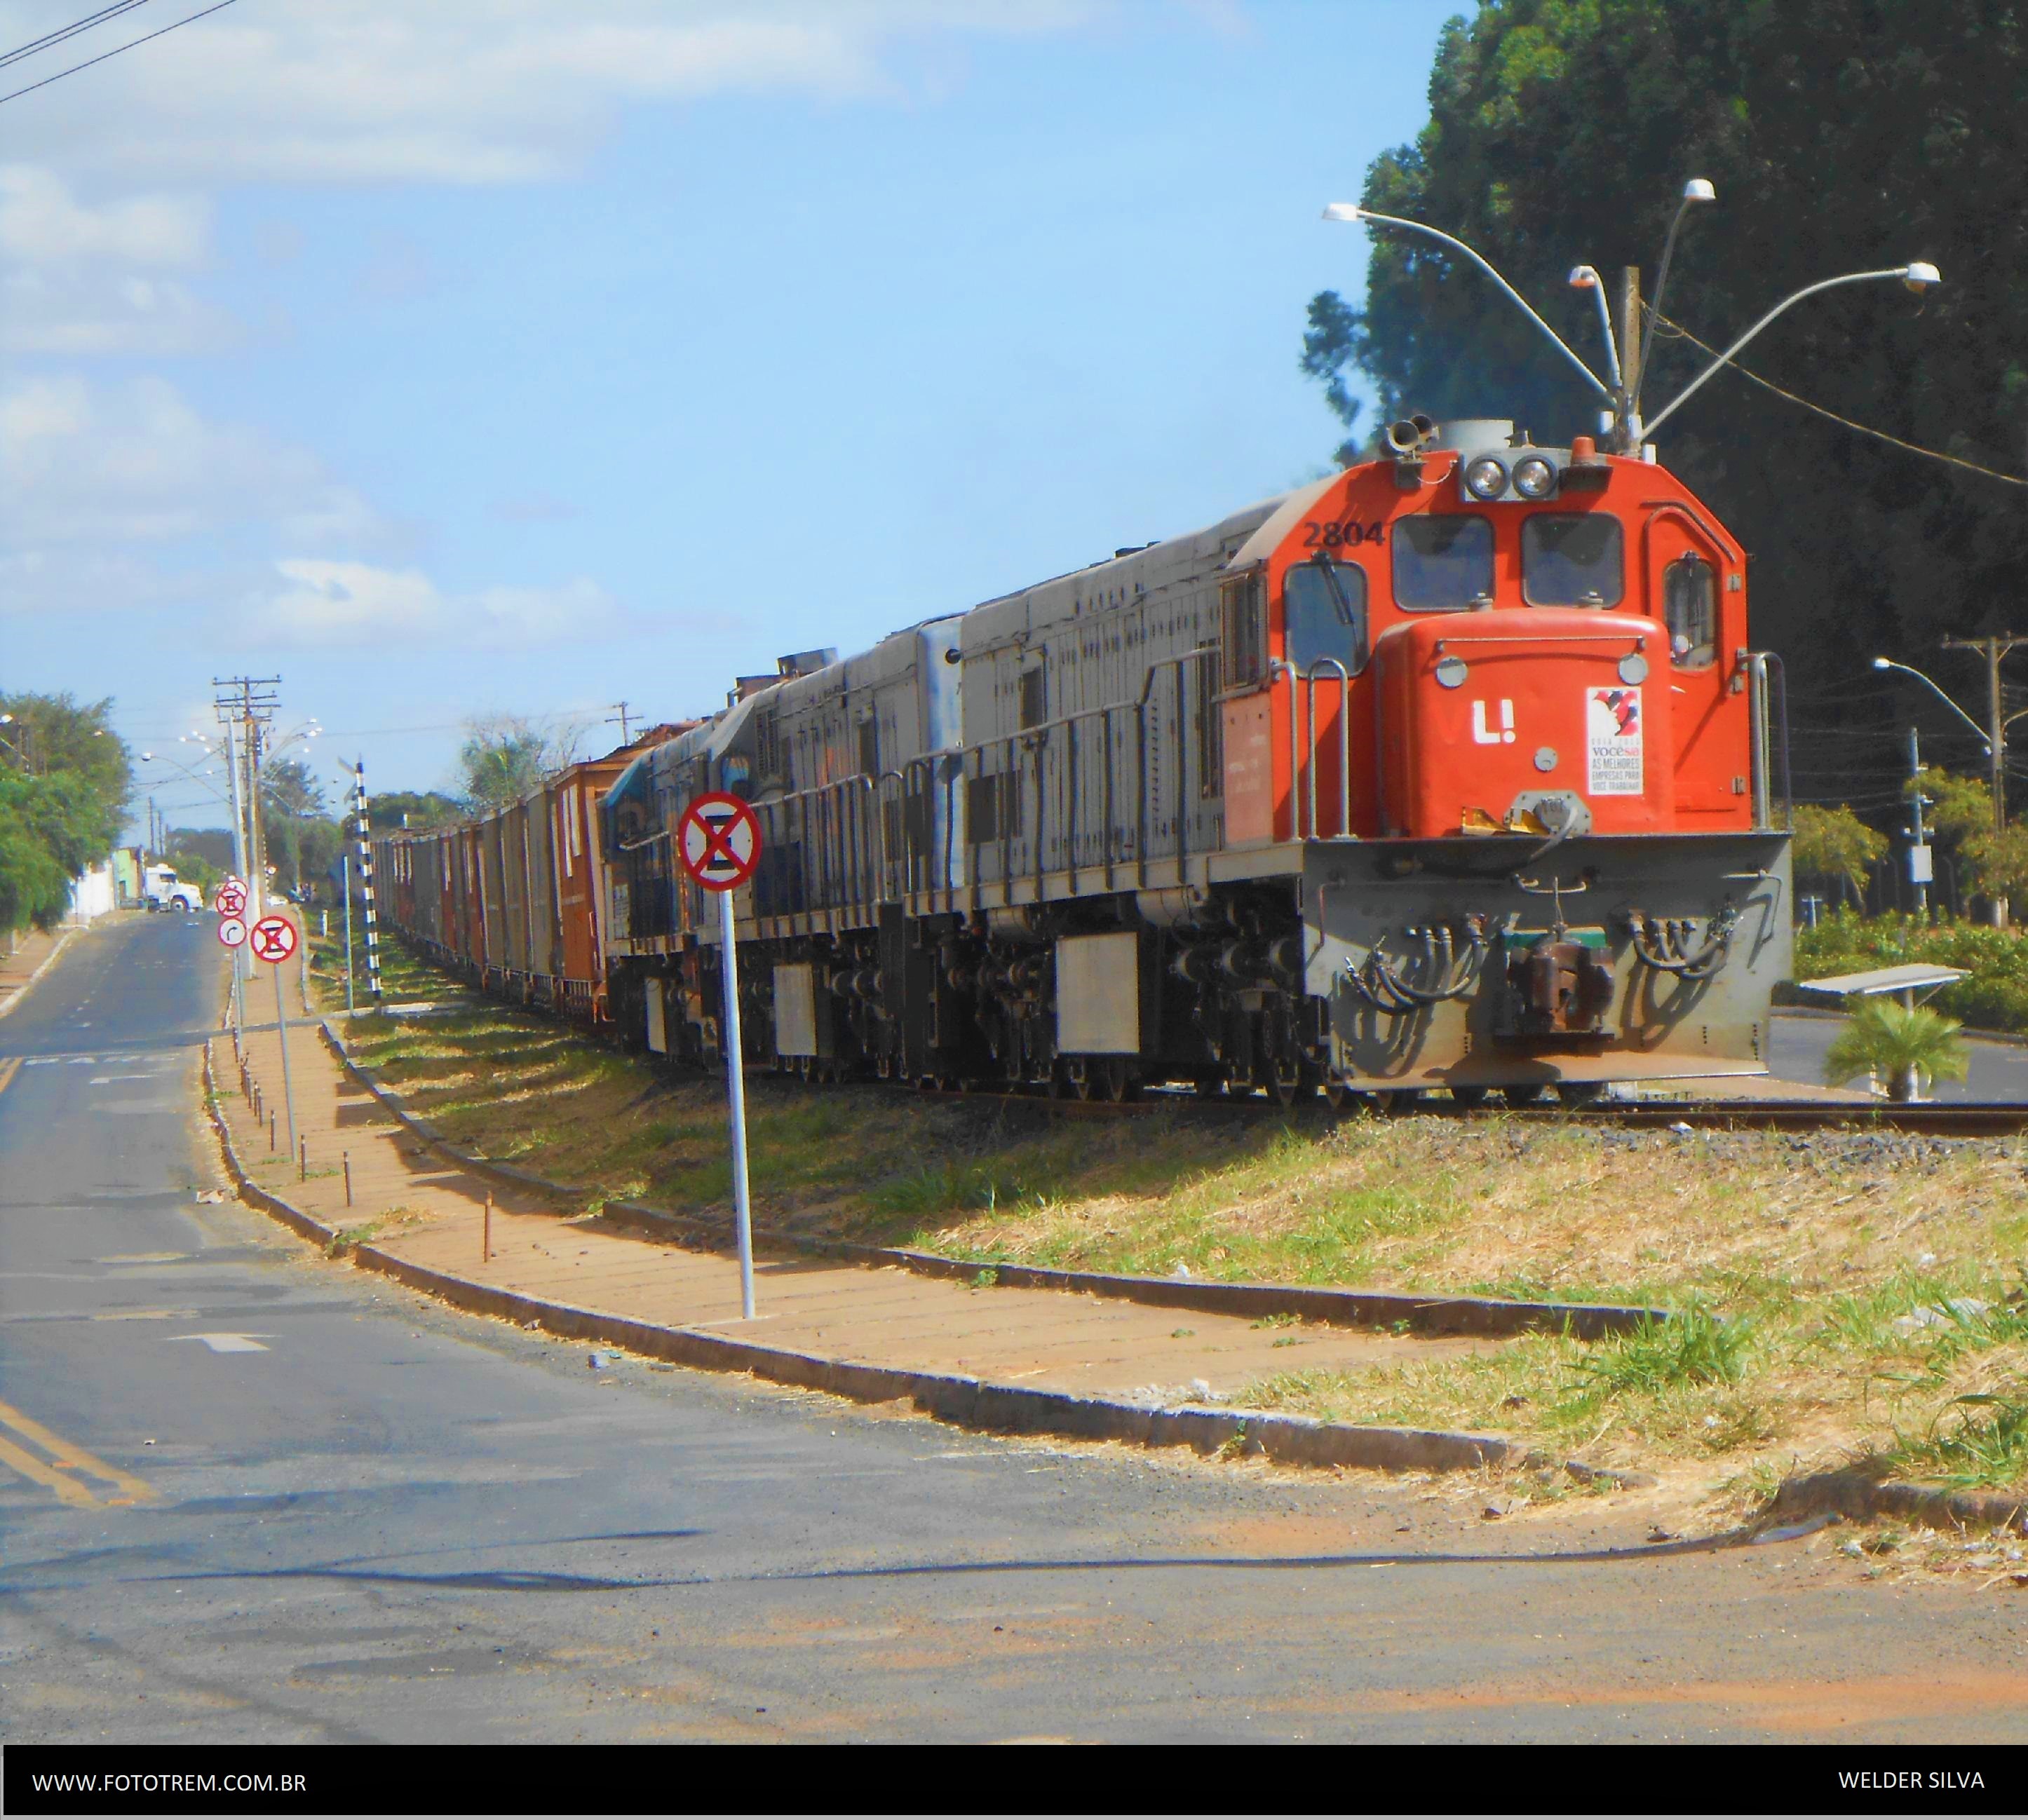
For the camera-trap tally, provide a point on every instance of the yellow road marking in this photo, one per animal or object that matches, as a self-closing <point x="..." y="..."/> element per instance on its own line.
<point x="8" y="1070"/>
<point x="70" y="1490"/>
<point x="64" y="1454"/>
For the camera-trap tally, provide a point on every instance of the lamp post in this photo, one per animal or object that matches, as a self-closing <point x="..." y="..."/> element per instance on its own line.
<point x="1697" y="189"/>
<point x="1994" y="742"/>
<point x="1917" y="275"/>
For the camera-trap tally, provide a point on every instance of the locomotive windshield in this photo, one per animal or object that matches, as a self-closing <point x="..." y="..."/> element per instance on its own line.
<point x="1442" y="562"/>
<point x="1572" y="560"/>
<point x="1324" y="603"/>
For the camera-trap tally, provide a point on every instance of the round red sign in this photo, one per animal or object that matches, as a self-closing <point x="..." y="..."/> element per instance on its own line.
<point x="718" y="840"/>
<point x="273" y="939"/>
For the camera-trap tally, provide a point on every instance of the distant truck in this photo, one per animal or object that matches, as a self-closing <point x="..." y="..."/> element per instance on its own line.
<point x="161" y="889"/>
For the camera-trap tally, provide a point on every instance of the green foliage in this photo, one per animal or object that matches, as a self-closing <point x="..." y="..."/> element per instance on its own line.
<point x="1995" y="860"/>
<point x="1902" y="1045"/>
<point x="505" y="757"/>
<point x="1995" y="996"/>
<point x="1694" y="1347"/>
<point x="1842" y="135"/>
<point x="418" y="810"/>
<point x="301" y="838"/>
<point x="1990" y="1447"/>
<point x="64" y="780"/>
<point x="1834" y="843"/>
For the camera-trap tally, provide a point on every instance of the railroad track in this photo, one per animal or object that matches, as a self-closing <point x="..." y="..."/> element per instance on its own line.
<point x="1928" y="1120"/>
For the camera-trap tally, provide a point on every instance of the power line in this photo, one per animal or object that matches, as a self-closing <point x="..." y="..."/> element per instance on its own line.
<point x="70" y="30"/>
<point x="1863" y="429"/>
<point x="219" y="7"/>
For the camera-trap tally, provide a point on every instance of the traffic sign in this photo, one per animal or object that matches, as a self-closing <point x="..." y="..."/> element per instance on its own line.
<point x="718" y="840"/>
<point x="273" y="939"/>
<point x="232" y="898"/>
<point x="231" y="930"/>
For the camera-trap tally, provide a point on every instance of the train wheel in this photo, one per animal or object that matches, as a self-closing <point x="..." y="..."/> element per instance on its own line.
<point x="1116" y="1080"/>
<point x="1470" y="1095"/>
<point x="1398" y="1099"/>
<point x="1342" y="1096"/>
<point x="1080" y="1078"/>
<point x="1209" y="1086"/>
<point x="1574" y="1094"/>
<point x="1523" y="1093"/>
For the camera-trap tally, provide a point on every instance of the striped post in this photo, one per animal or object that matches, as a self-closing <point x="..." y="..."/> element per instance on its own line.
<point x="366" y="878"/>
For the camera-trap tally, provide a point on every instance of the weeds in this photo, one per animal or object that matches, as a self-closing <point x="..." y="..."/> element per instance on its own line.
<point x="1988" y="1448"/>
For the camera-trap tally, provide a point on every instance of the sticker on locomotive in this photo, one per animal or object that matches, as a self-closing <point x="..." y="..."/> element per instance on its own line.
<point x="1612" y="741"/>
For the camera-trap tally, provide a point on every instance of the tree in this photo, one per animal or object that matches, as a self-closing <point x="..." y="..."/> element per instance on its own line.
<point x="54" y="735"/>
<point x="1834" y="843"/>
<point x="505" y="757"/>
<point x="295" y="820"/>
<point x="421" y="810"/>
<point x="1960" y="809"/>
<point x="1842" y="135"/>
<point x="1908" y="1046"/>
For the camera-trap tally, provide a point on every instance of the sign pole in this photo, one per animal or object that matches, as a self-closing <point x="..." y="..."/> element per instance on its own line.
<point x="735" y="1077"/>
<point x="282" y="1036"/>
<point x="718" y="843"/>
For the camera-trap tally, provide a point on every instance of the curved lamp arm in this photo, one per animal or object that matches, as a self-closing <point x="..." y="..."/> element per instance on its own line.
<point x="1907" y="670"/>
<point x="1352" y="211"/>
<point x="1916" y="276"/>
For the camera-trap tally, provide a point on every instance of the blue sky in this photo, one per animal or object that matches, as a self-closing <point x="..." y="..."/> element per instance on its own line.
<point x="524" y="355"/>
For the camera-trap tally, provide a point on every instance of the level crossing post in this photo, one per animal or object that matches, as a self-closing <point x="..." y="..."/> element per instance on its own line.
<point x="347" y="858"/>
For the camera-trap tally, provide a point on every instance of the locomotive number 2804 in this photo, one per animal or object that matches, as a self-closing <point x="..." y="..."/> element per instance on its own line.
<point x="1322" y="535"/>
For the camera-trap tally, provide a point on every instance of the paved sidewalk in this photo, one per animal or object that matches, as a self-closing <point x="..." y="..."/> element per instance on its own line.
<point x="18" y="968"/>
<point x="424" y="1210"/>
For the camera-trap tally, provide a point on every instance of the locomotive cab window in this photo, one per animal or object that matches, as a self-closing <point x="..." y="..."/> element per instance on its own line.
<point x="1572" y="559"/>
<point x="1442" y="561"/>
<point x="1324" y="606"/>
<point x="1690" y="609"/>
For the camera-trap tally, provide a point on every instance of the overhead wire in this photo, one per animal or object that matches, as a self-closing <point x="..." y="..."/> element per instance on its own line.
<point x="148" y="37"/>
<point x="1678" y="332"/>
<point x="50" y="38"/>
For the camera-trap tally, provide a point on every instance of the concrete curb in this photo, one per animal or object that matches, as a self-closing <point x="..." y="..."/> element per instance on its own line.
<point x="506" y="1173"/>
<point x="963" y="1402"/>
<point x="1858" y="1495"/>
<point x="1481" y="1317"/>
<point x="42" y="967"/>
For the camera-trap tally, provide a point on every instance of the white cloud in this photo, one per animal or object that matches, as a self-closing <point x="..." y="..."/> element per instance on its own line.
<point x="42" y="223"/>
<point x="80" y="279"/>
<point x="346" y="603"/>
<point x="466" y="91"/>
<point x="136" y="463"/>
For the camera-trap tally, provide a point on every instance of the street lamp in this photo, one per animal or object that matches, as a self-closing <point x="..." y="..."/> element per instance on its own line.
<point x="1917" y="275"/>
<point x="1985" y="740"/>
<point x="1587" y="278"/>
<point x="1352" y="212"/>
<point x="1697" y="189"/>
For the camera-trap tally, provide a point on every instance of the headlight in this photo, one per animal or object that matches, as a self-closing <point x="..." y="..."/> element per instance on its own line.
<point x="1486" y="478"/>
<point x="1534" y="477"/>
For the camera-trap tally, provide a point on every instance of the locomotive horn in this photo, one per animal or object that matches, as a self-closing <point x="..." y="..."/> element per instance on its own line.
<point x="1406" y="437"/>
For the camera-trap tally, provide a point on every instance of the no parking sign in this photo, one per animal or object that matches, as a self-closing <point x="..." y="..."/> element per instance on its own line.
<point x="273" y="940"/>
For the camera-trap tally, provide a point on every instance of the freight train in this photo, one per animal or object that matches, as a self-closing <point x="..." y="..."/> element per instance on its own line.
<point x="1455" y="770"/>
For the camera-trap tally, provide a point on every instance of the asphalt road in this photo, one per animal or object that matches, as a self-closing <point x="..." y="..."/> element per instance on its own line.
<point x="359" y="1517"/>
<point x="1998" y="1071"/>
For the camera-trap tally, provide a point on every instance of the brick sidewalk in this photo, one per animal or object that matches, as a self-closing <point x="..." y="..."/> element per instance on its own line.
<point x="426" y="1211"/>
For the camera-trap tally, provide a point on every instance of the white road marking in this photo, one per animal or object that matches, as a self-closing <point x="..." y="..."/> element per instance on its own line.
<point x="107" y="1080"/>
<point x="230" y="1342"/>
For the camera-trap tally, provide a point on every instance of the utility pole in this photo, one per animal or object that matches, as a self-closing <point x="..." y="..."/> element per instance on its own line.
<point x="1992" y="649"/>
<point x="1919" y="854"/>
<point x="1630" y="339"/>
<point x="251" y="701"/>
<point x="363" y="832"/>
<point x="620" y="714"/>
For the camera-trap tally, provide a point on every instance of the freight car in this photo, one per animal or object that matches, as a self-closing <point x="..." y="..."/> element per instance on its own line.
<point x="1455" y="769"/>
<point x="517" y="900"/>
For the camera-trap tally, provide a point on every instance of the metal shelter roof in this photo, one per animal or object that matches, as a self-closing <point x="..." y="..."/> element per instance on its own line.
<point x="1912" y="977"/>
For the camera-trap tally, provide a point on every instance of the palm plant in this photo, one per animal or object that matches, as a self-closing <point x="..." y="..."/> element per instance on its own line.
<point x="1909" y="1047"/>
